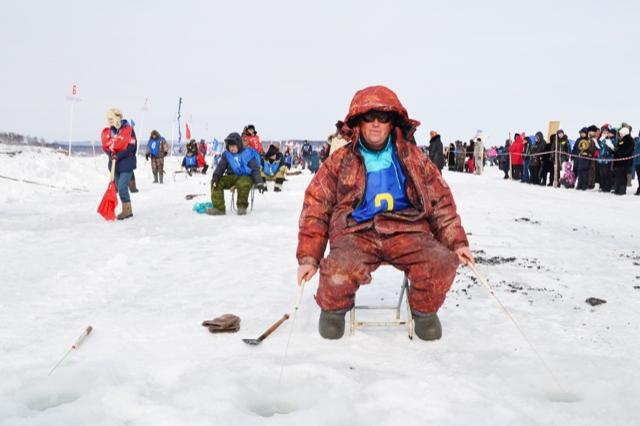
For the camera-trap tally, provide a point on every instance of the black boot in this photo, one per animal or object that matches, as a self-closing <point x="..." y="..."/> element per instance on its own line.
<point x="155" y="177"/>
<point x="427" y="326"/>
<point x="331" y="324"/>
<point x="638" y="191"/>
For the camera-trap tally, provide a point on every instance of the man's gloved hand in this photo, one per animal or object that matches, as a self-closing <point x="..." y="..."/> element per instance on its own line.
<point x="214" y="185"/>
<point x="262" y="188"/>
<point x="147" y="155"/>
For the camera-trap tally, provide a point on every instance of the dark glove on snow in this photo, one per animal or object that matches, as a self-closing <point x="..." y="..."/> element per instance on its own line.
<point x="262" y="188"/>
<point x="227" y="323"/>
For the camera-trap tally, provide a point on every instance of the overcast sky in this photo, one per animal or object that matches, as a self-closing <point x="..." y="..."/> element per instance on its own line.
<point x="292" y="67"/>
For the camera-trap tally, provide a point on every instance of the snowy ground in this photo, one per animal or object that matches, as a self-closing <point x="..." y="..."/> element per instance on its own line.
<point x="147" y="283"/>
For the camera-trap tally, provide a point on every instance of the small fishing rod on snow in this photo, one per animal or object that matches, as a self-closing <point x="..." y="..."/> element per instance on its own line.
<point x="76" y="345"/>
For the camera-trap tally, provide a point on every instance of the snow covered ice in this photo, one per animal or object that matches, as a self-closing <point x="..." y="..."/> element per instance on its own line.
<point x="146" y="284"/>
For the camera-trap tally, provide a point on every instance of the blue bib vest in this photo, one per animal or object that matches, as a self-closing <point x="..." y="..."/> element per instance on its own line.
<point x="154" y="147"/>
<point x="190" y="161"/>
<point x="239" y="162"/>
<point x="270" y="169"/>
<point x="385" y="188"/>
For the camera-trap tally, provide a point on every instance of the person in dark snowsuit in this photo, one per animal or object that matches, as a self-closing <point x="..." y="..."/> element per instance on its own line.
<point x="451" y="158"/>
<point x="586" y="150"/>
<point x="306" y="154"/>
<point x="535" y="160"/>
<point x="623" y="150"/>
<point x="436" y="150"/>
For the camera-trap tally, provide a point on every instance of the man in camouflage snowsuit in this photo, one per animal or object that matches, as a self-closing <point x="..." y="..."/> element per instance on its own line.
<point x="379" y="200"/>
<point x="157" y="149"/>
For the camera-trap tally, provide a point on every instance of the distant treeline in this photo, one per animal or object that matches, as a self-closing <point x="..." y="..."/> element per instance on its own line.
<point x="16" y="138"/>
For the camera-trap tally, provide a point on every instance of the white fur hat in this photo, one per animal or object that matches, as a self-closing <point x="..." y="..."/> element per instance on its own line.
<point x="623" y="132"/>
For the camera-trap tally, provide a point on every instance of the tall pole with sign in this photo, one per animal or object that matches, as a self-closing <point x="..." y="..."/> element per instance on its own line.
<point x="73" y="98"/>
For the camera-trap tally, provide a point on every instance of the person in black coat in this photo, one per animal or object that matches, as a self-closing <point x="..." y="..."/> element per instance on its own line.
<point x="623" y="149"/>
<point x="436" y="150"/>
<point x="451" y="158"/>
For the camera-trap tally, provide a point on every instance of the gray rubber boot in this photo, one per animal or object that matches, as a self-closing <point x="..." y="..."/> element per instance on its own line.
<point x="214" y="212"/>
<point x="331" y="324"/>
<point x="427" y="326"/>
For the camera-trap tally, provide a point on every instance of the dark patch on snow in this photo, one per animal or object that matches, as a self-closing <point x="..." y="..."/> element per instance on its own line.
<point x="526" y="219"/>
<point x="594" y="301"/>
<point x="495" y="260"/>
<point x="637" y="287"/>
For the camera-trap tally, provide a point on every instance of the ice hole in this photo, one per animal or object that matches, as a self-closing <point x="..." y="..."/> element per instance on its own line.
<point x="43" y="402"/>
<point x="565" y="397"/>
<point x="267" y="398"/>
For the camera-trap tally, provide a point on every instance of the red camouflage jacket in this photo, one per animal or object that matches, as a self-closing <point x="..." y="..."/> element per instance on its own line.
<point x="339" y="186"/>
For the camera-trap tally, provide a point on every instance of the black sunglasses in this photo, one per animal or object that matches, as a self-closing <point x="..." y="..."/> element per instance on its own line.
<point x="381" y="116"/>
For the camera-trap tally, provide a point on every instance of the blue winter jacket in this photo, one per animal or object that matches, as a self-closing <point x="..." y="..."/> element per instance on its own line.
<point x="606" y="154"/>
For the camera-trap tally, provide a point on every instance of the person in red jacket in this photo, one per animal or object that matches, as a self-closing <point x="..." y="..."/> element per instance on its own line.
<point x="516" y="157"/>
<point x="119" y="143"/>
<point x="250" y="138"/>
<point x="379" y="199"/>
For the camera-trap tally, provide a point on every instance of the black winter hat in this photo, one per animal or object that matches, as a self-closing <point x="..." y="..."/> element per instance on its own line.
<point x="584" y="130"/>
<point x="233" y="139"/>
<point x="271" y="151"/>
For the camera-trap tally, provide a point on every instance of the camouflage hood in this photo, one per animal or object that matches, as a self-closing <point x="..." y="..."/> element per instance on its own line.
<point x="379" y="98"/>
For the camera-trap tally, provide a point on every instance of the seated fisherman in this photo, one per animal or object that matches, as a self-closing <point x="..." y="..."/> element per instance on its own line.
<point x="273" y="167"/>
<point x="238" y="167"/>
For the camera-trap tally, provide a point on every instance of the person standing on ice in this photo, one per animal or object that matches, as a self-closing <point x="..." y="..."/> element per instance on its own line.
<point x="157" y="149"/>
<point x="636" y="161"/>
<point x="436" y="150"/>
<point x="379" y="199"/>
<point x="515" y="150"/>
<point x="478" y="156"/>
<point x="622" y="155"/>
<point x="120" y="144"/>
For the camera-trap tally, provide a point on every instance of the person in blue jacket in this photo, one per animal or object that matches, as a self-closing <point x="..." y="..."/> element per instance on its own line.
<point x="239" y="167"/>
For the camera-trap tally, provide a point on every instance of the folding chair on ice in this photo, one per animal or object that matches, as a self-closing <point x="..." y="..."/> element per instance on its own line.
<point x="233" y="198"/>
<point x="404" y="294"/>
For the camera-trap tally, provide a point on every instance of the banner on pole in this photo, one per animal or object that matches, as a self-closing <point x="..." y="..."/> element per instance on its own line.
<point x="554" y="126"/>
<point x="179" y="129"/>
